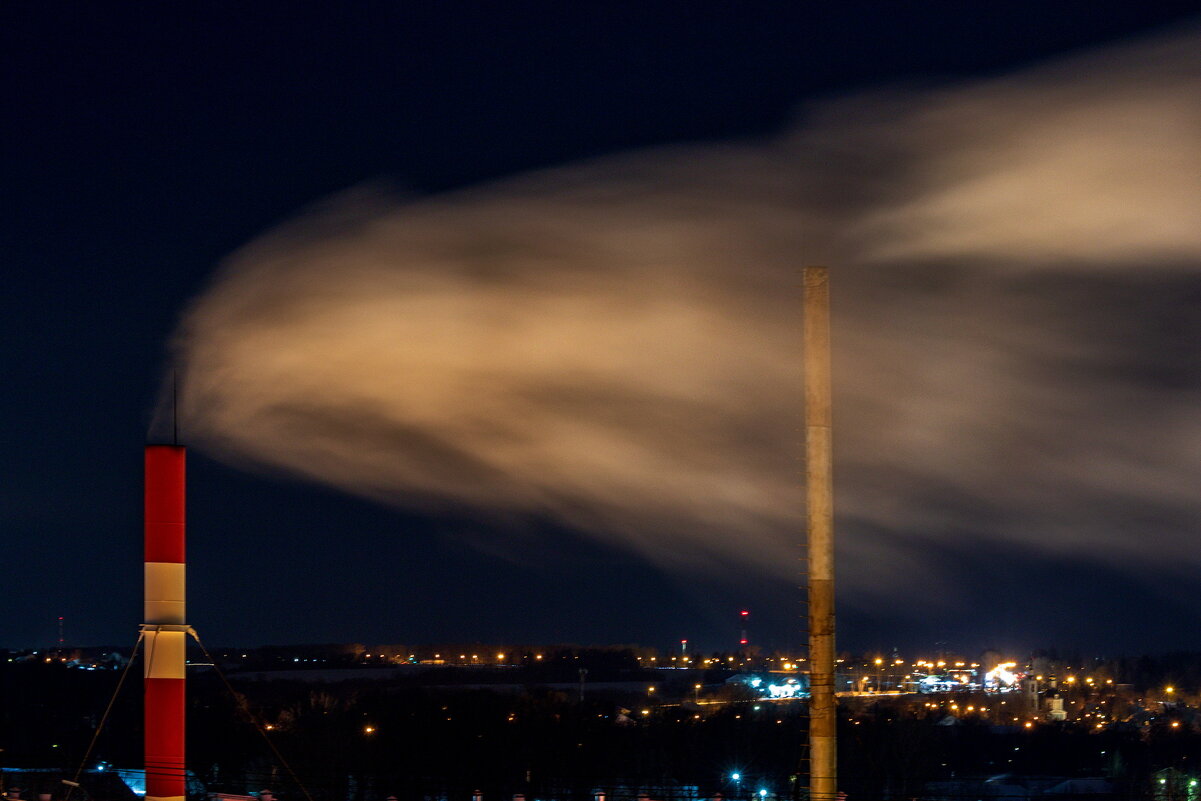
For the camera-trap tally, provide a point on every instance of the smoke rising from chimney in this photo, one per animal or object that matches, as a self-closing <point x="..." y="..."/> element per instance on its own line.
<point x="616" y="344"/>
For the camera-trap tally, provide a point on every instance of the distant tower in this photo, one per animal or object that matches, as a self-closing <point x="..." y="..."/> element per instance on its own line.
<point x="743" y="618"/>
<point x="684" y="650"/>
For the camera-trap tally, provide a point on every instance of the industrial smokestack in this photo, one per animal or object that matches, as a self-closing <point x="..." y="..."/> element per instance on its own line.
<point x="165" y="629"/>
<point x="819" y="490"/>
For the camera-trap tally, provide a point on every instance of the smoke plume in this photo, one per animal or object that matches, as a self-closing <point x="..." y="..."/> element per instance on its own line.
<point x="616" y="345"/>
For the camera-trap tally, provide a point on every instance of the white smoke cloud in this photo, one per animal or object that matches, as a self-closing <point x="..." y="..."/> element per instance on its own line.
<point x="616" y="345"/>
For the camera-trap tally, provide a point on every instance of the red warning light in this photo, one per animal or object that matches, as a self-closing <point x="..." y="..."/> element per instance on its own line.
<point x="745" y="613"/>
<point x="683" y="642"/>
<point x="742" y="641"/>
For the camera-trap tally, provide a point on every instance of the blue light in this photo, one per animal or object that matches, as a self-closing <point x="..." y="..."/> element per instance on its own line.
<point x="736" y="777"/>
<point x="763" y="793"/>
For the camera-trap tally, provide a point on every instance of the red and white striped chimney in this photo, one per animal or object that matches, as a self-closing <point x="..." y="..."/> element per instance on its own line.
<point x="165" y="628"/>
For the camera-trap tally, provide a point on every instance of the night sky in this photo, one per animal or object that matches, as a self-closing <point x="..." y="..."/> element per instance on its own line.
<point x="144" y="146"/>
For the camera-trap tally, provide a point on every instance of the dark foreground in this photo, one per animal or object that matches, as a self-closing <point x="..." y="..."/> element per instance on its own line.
<point x="365" y="739"/>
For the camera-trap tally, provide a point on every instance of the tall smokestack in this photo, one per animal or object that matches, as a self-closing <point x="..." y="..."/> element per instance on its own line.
<point x="819" y="502"/>
<point x="165" y="628"/>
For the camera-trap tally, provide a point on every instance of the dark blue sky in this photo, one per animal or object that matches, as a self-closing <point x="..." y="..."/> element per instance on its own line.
<point x="141" y="148"/>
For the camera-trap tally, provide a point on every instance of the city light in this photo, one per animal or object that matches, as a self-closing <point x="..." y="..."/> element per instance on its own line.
<point x="1002" y="675"/>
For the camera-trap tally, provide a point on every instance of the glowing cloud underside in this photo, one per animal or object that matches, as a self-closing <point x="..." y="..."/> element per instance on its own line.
<point x="617" y="345"/>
